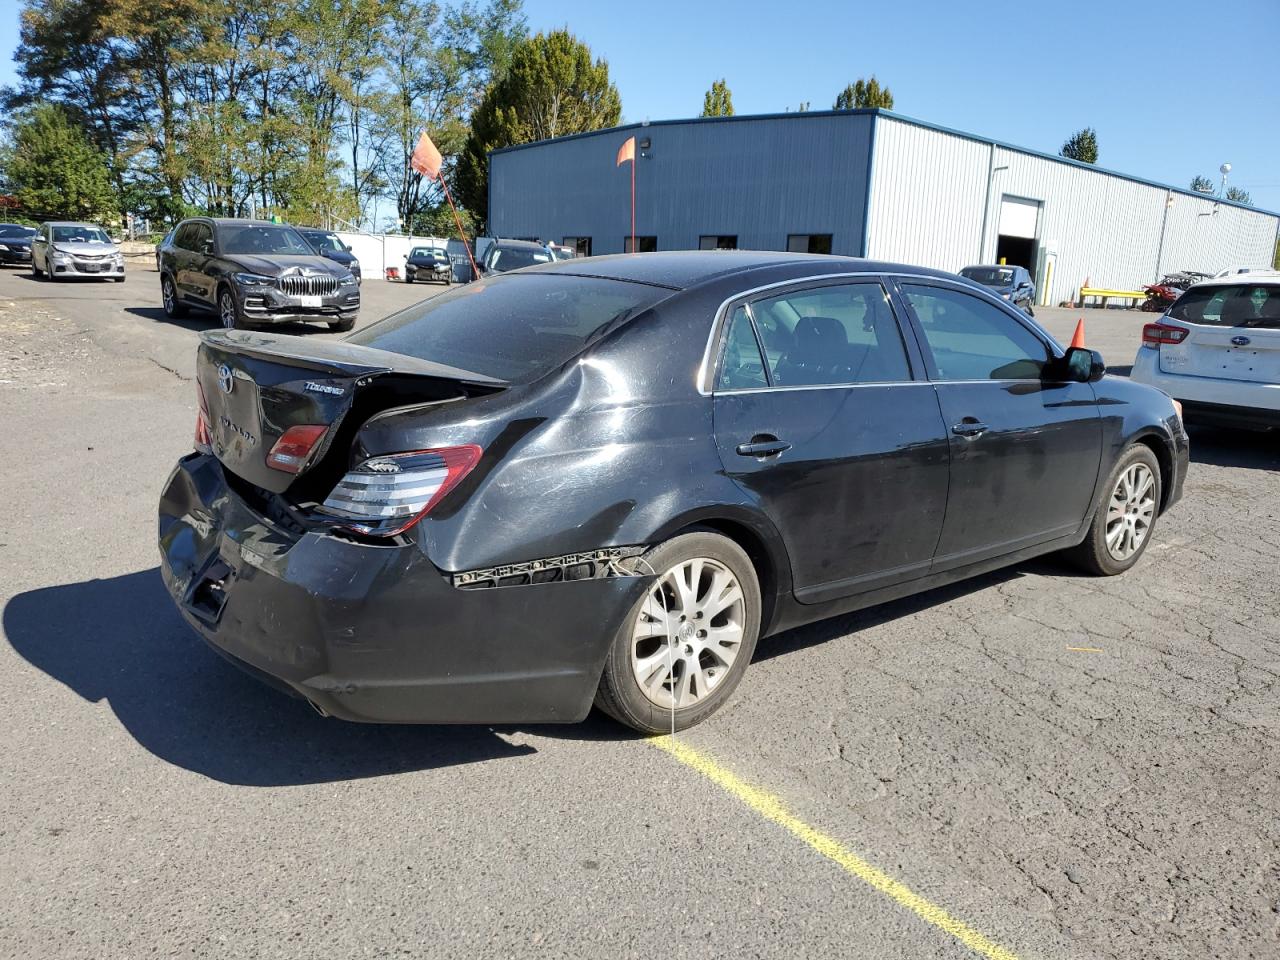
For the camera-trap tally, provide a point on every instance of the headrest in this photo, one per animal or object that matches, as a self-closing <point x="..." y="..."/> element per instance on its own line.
<point x="820" y="333"/>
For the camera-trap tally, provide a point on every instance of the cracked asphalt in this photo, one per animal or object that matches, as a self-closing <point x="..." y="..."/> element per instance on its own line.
<point x="1075" y="767"/>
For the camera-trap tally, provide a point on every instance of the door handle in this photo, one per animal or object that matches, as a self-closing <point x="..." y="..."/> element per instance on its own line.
<point x="969" y="427"/>
<point x="763" y="445"/>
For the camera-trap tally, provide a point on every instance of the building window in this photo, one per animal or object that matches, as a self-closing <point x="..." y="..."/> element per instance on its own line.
<point x="720" y="242"/>
<point x="808" y="243"/>
<point x="581" y="246"/>
<point x="643" y="245"/>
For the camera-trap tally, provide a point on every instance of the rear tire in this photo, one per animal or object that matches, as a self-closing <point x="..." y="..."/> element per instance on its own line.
<point x="684" y="646"/>
<point x="342" y="326"/>
<point x="408" y="279"/>
<point x="173" y="308"/>
<point x="1125" y="519"/>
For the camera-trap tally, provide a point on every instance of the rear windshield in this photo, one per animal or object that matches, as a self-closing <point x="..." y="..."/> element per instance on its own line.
<point x="989" y="276"/>
<point x="514" y="328"/>
<point x="1238" y="305"/>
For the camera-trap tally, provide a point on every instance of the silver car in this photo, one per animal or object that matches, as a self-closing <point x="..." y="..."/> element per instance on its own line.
<point x="63" y="249"/>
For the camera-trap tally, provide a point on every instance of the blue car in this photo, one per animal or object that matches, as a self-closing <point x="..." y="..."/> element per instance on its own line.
<point x="1009" y="282"/>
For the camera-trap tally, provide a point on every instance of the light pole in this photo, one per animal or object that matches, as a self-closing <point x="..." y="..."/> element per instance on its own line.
<point x="1224" y="170"/>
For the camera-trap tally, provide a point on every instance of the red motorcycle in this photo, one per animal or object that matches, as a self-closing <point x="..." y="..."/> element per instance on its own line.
<point x="1160" y="297"/>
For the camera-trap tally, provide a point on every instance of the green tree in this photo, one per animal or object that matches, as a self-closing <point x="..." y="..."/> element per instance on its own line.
<point x="53" y="169"/>
<point x="1201" y="184"/>
<point x="552" y="88"/>
<point x="1239" y="195"/>
<point x="863" y="94"/>
<point x="718" y="101"/>
<point x="1082" y="146"/>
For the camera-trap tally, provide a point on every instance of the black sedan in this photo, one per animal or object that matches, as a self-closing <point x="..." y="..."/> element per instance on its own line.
<point x="15" y="243"/>
<point x="428" y="263"/>
<point x="604" y="481"/>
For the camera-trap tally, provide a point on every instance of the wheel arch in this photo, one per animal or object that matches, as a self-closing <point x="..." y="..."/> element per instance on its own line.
<point x="1159" y="446"/>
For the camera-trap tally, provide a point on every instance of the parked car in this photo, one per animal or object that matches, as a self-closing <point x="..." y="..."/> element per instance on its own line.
<point x="65" y="250"/>
<point x="603" y="481"/>
<point x="504" y="255"/>
<point x="168" y="238"/>
<point x="15" y="243"/>
<point x="253" y="272"/>
<point x="1008" y="282"/>
<point x="331" y="246"/>
<point x="561" y="252"/>
<point x="428" y="263"/>
<point x="1217" y="351"/>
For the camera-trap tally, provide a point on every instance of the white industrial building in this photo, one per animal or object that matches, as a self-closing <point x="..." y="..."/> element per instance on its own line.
<point x="875" y="184"/>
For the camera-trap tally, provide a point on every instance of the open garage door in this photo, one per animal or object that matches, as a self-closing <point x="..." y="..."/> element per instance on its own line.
<point x="1019" y="227"/>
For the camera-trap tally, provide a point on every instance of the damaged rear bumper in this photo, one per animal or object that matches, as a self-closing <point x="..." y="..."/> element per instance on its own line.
<point x="377" y="633"/>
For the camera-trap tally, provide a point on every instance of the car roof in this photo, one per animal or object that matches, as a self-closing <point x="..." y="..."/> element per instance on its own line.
<point x="520" y="244"/>
<point x="991" y="266"/>
<point x="72" y="223"/>
<point x="1250" y="279"/>
<point x="682" y="269"/>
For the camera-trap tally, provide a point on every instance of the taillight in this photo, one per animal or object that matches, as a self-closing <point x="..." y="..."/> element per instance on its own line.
<point x="387" y="495"/>
<point x="1154" y="334"/>
<point x="295" y="445"/>
<point x="204" y="442"/>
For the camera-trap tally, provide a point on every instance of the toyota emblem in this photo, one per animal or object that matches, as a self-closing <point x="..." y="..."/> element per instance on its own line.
<point x="226" y="379"/>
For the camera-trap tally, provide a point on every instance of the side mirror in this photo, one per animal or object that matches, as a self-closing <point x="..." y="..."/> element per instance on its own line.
<point x="1083" y="365"/>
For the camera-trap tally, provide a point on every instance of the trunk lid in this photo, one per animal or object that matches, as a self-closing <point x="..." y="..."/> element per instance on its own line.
<point x="1226" y="353"/>
<point x="256" y="386"/>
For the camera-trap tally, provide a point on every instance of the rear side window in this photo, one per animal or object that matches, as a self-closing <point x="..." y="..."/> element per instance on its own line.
<point x="831" y="335"/>
<point x="1238" y="305"/>
<point x="513" y="327"/>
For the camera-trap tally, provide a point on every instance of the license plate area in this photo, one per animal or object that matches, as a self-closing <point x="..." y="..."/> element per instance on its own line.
<point x="310" y="301"/>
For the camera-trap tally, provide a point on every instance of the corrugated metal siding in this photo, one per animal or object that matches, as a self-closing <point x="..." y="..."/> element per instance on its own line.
<point x="928" y="193"/>
<point x="926" y="196"/>
<point x="758" y="180"/>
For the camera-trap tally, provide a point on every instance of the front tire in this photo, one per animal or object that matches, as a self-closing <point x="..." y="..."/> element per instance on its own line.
<point x="683" y="648"/>
<point x="173" y="308"/>
<point x="229" y="311"/>
<point x="1125" y="519"/>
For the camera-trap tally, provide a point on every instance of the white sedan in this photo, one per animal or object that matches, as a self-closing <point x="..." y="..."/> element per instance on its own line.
<point x="1217" y="350"/>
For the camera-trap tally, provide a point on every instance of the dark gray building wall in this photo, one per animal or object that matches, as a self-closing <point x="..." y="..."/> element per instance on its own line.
<point x="759" y="178"/>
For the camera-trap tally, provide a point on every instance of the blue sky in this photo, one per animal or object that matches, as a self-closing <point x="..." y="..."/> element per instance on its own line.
<point x="1174" y="88"/>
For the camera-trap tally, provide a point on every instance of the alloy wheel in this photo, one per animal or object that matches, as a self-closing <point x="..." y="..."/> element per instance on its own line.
<point x="1130" y="511"/>
<point x="166" y="294"/>
<point x="688" y="632"/>
<point x="227" y="311"/>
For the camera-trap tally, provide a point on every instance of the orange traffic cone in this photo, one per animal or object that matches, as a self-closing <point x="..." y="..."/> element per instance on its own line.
<point x="1077" y="339"/>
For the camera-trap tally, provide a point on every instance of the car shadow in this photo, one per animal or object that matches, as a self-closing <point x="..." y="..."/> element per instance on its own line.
<point x="1223" y="447"/>
<point x="121" y="640"/>
<point x="813" y="634"/>
<point x="198" y="320"/>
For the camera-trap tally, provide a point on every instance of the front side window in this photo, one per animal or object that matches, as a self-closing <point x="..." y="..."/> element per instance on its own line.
<point x="642" y="245"/>
<point x="971" y="339"/>
<point x="260" y="239"/>
<point x="1238" y="305"/>
<point x="830" y="335"/>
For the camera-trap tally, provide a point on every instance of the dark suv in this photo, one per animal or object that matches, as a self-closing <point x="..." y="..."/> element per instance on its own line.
<point x="253" y="272"/>
<point x="330" y="246"/>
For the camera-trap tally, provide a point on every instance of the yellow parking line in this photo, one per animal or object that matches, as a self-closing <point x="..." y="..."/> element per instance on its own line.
<point x="772" y="809"/>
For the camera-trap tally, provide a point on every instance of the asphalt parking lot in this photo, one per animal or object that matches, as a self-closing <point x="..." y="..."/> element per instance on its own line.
<point x="1032" y="764"/>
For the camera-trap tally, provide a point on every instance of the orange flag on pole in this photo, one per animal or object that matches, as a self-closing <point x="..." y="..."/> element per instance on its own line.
<point x="426" y="158"/>
<point x="627" y="152"/>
